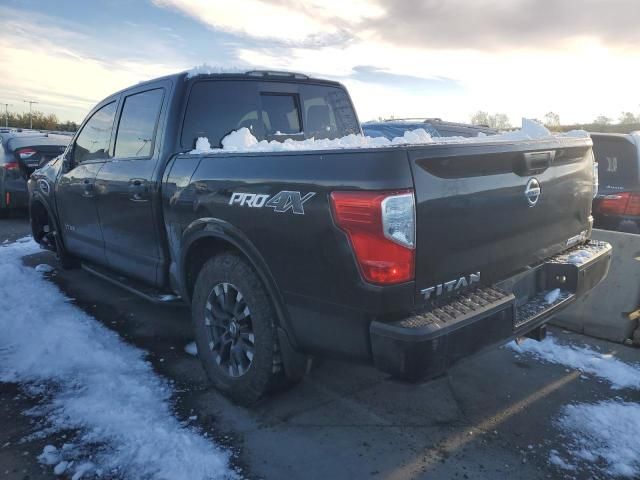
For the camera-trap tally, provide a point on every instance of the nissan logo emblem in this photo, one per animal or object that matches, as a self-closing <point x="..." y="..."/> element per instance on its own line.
<point x="532" y="192"/>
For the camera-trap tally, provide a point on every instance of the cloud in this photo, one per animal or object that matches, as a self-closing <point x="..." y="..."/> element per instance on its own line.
<point x="61" y="66"/>
<point x="483" y="25"/>
<point x="309" y="24"/>
<point x="500" y="24"/>
<point x="419" y="58"/>
<point x="371" y="74"/>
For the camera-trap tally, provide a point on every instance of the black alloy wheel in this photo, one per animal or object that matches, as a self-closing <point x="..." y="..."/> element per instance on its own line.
<point x="230" y="329"/>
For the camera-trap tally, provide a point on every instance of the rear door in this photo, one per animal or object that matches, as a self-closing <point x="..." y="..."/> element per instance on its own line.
<point x="478" y="208"/>
<point x="126" y="187"/>
<point x="75" y="189"/>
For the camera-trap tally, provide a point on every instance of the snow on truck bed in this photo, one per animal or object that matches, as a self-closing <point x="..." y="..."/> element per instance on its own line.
<point x="94" y="384"/>
<point x="243" y="141"/>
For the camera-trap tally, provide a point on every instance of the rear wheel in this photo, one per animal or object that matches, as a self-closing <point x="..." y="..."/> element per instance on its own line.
<point x="5" y="213"/>
<point x="46" y="234"/>
<point x="235" y="329"/>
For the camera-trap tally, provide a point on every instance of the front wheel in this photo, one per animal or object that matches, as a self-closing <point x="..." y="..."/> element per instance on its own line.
<point x="235" y="328"/>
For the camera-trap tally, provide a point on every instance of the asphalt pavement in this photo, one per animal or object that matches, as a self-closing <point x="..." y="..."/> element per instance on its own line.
<point x="491" y="417"/>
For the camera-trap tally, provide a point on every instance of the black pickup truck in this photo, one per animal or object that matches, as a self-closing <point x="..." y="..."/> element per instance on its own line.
<point x="409" y="257"/>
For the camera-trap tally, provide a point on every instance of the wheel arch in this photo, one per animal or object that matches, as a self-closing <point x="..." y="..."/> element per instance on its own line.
<point x="207" y="237"/>
<point x="39" y="205"/>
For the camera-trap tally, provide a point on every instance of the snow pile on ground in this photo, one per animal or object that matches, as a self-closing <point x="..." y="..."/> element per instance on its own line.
<point x="44" y="268"/>
<point x="605" y="433"/>
<point x="585" y="359"/>
<point x="243" y="140"/>
<point x="94" y="384"/>
<point x="558" y="461"/>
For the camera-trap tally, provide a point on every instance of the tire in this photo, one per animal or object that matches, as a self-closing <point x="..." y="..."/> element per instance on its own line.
<point x="5" y="213"/>
<point x="235" y="328"/>
<point x="65" y="259"/>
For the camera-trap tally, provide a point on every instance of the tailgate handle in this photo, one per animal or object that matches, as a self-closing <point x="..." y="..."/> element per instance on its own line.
<point x="534" y="162"/>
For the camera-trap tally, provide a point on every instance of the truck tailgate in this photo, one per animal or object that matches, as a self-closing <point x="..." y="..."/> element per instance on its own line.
<point x="478" y="210"/>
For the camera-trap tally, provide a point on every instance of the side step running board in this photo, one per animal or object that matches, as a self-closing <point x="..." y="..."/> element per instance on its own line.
<point x="137" y="288"/>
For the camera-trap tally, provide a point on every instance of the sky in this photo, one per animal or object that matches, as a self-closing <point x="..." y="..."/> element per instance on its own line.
<point x="401" y="58"/>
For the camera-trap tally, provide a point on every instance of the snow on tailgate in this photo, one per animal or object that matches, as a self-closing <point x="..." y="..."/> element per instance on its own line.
<point x="94" y="384"/>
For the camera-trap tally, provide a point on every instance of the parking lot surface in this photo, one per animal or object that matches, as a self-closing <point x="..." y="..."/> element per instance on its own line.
<point x="493" y="416"/>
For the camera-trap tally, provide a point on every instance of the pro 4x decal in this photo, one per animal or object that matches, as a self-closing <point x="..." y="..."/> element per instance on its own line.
<point x="281" y="202"/>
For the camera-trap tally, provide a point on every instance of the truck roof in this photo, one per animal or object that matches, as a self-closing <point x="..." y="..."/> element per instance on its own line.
<point x="267" y="75"/>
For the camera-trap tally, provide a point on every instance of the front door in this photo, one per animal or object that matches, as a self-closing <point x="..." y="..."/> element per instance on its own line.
<point x="126" y="188"/>
<point x="75" y="189"/>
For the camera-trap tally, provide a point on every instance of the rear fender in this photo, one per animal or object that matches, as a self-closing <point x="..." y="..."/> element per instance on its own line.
<point x="224" y="231"/>
<point x="38" y="197"/>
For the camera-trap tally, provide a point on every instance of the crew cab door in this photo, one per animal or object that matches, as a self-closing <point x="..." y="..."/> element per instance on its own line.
<point x="126" y="188"/>
<point x="75" y="188"/>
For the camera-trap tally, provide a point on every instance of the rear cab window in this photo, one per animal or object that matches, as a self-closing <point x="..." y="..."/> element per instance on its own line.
<point x="270" y="110"/>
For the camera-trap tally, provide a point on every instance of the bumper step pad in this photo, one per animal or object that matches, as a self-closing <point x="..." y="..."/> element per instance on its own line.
<point x="458" y="308"/>
<point x="537" y="305"/>
<point x="426" y="343"/>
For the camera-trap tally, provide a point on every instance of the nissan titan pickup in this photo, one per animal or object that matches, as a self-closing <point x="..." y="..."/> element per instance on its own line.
<point x="407" y="257"/>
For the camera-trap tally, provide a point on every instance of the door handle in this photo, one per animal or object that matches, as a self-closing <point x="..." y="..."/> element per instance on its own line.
<point x="138" y="190"/>
<point x="88" y="186"/>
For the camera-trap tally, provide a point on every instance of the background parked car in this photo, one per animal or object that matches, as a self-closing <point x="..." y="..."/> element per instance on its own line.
<point x="20" y="154"/>
<point x="617" y="206"/>
<point x="434" y="126"/>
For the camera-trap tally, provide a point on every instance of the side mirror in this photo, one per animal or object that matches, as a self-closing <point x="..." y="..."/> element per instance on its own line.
<point x="67" y="160"/>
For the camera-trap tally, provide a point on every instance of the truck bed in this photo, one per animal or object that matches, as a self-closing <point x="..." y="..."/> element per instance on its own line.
<point x="472" y="217"/>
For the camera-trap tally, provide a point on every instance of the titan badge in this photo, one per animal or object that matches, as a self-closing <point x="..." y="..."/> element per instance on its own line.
<point x="450" y="286"/>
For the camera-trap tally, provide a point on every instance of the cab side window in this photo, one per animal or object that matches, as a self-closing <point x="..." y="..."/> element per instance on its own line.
<point x="136" y="130"/>
<point x="93" y="141"/>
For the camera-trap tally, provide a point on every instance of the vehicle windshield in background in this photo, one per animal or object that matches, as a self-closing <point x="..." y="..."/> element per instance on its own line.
<point x="393" y="130"/>
<point x="618" y="162"/>
<point x="433" y="126"/>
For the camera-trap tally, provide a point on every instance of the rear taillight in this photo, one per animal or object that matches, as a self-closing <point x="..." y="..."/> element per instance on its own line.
<point x="633" y="207"/>
<point x="10" y="166"/>
<point x="26" y="153"/>
<point x="381" y="228"/>
<point x="623" y="203"/>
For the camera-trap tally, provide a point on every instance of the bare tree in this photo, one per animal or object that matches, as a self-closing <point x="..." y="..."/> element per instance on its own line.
<point x="552" y="119"/>
<point x="499" y="121"/>
<point x="627" y="118"/>
<point x="602" y="120"/>
<point x="480" y="118"/>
